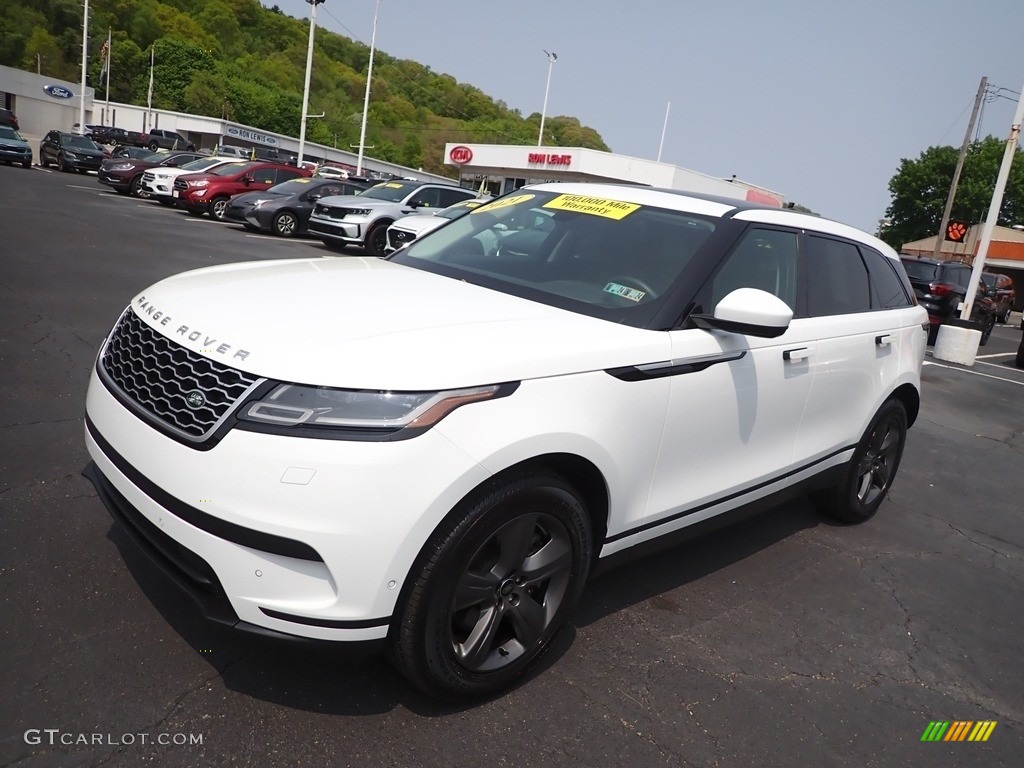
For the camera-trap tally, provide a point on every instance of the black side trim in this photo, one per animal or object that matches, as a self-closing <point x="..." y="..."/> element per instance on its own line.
<point x="730" y="497"/>
<point x="672" y="367"/>
<point x="332" y="623"/>
<point x="710" y="323"/>
<point x="246" y="537"/>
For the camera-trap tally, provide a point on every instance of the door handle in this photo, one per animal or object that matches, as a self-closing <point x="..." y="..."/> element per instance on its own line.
<point x="799" y="353"/>
<point x="884" y="340"/>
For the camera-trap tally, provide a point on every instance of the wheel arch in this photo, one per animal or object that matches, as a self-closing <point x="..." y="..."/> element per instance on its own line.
<point x="908" y="395"/>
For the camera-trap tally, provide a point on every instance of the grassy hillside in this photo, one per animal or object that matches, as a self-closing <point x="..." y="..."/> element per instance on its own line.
<point x="238" y="60"/>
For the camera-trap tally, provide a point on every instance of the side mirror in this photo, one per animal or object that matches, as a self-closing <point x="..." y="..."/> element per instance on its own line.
<point x="313" y="197"/>
<point x="749" y="311"/>
<point x="247" y="180"/>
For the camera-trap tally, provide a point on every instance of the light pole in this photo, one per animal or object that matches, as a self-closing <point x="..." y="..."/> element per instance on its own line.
<point x="85" y="59"/>
<point x="309" y="69"/>
<point x="366" y="98"/>
<point x="552" y="58"/>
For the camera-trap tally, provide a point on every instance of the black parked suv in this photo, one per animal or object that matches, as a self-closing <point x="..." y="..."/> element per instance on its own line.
<point x="70" y="151"/>
<point x="941" y="287"/>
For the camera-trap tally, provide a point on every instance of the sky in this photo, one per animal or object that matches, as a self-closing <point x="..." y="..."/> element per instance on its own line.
<point x="819" y="100"/>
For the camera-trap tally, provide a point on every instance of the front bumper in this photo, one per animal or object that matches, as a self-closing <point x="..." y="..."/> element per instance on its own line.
<point x="306" y="537"/>
<point x="328" y="229"/>
<point x="16" y="155"/>
<point x="112" y="180"/>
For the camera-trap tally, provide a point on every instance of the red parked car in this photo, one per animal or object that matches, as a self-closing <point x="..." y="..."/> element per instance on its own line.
<point x="200" y="193"/>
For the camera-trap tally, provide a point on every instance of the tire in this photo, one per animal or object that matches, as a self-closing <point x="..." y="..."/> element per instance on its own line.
<point x="43" y="162"/>
<point x="218" y="207"/>
<point x="1005" y="317"/>
<point x="492" y="588"/>
<point x="377" y="239"/>
<point x="153" y="146"/>
<point x="26" y="164"/>
<point x="986" y="331"/>
<point x="869" y="475"/>
<point x="164" y="200"/>
<point x="286" y="224"/>
<point x="136" y="190"/>
<point x="62" y="163"/>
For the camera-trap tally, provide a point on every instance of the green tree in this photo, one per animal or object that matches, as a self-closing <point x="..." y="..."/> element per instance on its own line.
<point x="920" y="187"/>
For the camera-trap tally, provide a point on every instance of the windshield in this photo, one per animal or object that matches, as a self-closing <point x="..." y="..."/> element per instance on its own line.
<point x="392" y="191"/>
<point x="201" y="164"/>
<point x="9" y="133"/>
<point x="459" y="209"/>
<point x="230" y="169"/>
<point x="295" y="186"/>
<point x="600" y="257"/>
<point x="82" y="142"/>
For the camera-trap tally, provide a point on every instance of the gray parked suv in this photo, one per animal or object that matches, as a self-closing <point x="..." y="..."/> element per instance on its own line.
<point x="364" y="219"/>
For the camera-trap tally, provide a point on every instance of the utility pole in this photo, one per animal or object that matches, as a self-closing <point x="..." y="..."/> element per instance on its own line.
<point x="366" y="98"/>
<point x="959" y="167"/>
<point x="85" y="59"/>
<point x="993" y="210"/>
<point x="305" y="89"/>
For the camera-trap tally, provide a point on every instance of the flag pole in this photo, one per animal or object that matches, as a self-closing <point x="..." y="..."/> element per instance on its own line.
<point x="149" y="98"/>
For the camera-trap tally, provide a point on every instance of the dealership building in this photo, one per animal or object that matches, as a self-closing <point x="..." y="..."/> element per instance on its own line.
<point x="44" y="104"/>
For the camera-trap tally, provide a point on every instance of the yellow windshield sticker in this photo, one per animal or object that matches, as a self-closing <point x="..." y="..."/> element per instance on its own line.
<point x="503" y="203"/>
<point x="595" y="206"/>
<point x="391" y="185"/>
<point x="303" y="180"/>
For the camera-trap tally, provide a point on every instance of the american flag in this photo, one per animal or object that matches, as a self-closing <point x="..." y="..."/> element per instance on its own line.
<point x="105" y="56"/>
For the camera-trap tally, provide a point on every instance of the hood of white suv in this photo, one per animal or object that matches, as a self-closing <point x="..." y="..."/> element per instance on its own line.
<point x="371" y="324"/>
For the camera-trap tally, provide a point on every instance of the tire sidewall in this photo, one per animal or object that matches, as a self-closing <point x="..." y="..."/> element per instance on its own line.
<point x="851" y="509"/>
<point x="276" y="229"/>
<point x="470" y="525"/>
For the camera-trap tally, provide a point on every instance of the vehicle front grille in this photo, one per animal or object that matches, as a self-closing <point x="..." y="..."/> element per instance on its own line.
<point x="186" y="392"/>
<point x="148" y="176"/>
<point x="331" y="212"/>
<point x="180" y="184"/>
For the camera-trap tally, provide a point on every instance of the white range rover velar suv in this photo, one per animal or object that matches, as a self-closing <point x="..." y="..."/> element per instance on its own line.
<point x="433" y="452"/>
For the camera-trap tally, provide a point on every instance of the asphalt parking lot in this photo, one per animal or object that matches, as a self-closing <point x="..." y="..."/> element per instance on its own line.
<point x="781" y="641"/>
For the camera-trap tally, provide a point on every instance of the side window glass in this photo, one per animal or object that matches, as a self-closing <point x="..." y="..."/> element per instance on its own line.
<point x="837" y="279"/>
<point x="765" y="259"/>
<point x="428" y="198"/>
<point x="887" y="289"/>
<point x="453" y="196"/>
<point x="264" y="176"/>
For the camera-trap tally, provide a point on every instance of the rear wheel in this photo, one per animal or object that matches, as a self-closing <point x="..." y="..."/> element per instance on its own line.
<point x="1005" y="317"/>
<point x="153" y="146"/>
<point x="868" y="476"/>
<point x="986" y="330"/>
<point x="218" y="208"/>
<point x="493" y="587"/>
<point x="377" y="239"/>
<point x="62" y="163"/>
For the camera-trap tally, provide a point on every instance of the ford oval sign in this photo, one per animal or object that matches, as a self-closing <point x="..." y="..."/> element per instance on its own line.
<point x="461" y="155"/>
<point x="58" y="91"/>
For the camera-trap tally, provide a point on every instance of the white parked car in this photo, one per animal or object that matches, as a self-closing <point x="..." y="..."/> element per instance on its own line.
<point x="408" y="228"/>
<point x="434" y="451"/>
<point x="159" y="182"/>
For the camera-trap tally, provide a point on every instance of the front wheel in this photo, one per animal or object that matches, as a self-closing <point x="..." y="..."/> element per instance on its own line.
<point x="136" y="188"/>
<point x="218" y="208"/>
<point x="62" y="163"/>
<point x="869" y="475"/>
<point x="377" y="239"/>
<point x="1005" y="317"/>
<point x="493" y="587"/>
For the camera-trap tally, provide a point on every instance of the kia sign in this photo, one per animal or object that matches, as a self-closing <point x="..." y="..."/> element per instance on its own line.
<point x="461" y="155"/>
<point x="58" y="91"/>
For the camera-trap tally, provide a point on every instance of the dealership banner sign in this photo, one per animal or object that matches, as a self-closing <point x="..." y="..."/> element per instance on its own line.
<point x="254" y="136"/>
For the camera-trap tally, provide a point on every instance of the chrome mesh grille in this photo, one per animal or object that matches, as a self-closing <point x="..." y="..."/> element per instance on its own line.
<point x="399" y="237"/>
<point x="158" y="375"/>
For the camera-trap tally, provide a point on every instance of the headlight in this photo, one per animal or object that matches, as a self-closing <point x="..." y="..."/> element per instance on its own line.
<point x="290" y="405"/>
<point x="357" y="212"/>
<point x="260" y="203"/>
<point x="70" y="155"/>
<point x="199" y="183"/>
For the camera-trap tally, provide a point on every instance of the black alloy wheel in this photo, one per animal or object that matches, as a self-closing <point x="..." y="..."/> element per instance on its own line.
<point x="286" y="224"/>
<point x="869" y="475"/>
<point x="377" y="239"/>
<point x="493" y="587"/>
<point x="62" y="163"/>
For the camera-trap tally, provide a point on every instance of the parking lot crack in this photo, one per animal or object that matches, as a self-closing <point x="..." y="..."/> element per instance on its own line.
<point x="995" y="551"/>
